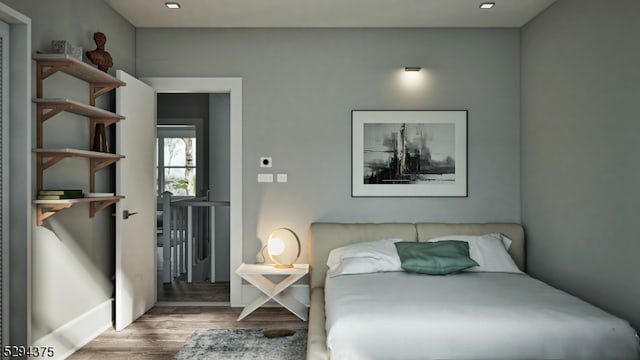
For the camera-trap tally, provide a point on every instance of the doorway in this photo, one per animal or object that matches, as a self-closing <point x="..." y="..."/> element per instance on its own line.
<point x="192" y="165"/>
<point x="217" y="89"/>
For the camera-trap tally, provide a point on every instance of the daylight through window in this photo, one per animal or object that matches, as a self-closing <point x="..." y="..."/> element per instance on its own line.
<point x="176" y="162"/>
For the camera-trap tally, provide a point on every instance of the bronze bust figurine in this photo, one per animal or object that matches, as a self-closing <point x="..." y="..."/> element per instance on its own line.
<point x="98" y="56"/>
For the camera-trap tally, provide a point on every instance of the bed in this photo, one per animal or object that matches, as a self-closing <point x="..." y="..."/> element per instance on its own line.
<point x="467" y="315"/>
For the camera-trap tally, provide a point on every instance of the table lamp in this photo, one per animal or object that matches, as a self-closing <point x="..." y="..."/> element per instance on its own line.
<point x="279" y="246"/>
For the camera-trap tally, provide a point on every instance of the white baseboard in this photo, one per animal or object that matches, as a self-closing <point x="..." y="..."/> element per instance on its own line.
<point x="75" y="334"/>
<point x="299" y="291"/>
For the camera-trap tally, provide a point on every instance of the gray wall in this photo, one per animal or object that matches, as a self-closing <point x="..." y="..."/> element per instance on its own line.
<point x="580" y="173"/>
<point x="299" y="87"/>
<point x="73" y="255"/>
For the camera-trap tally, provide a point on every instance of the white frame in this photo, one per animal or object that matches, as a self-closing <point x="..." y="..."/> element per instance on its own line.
<point x="17" y="301"/>
<point x="232" y="86"/>
<point x="179" y="131"/>
<point x="457" y="188"/>
<point x="6" y="191"/>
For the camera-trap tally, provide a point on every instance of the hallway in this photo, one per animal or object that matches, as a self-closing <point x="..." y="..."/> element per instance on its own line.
<point x="196" y="291"/>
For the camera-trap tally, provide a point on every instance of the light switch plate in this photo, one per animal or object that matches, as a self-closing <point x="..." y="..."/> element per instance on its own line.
<point x="282" y="178"/>
<point x="265" y="178"/>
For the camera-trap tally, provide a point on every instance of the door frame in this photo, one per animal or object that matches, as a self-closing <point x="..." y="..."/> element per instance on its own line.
<point x="4" y="163"/>
<point x="17" y="320"/>
<point x="233" y="87"/>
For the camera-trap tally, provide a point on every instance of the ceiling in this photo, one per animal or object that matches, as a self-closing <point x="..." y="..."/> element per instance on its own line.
<point x="328" y="13"/>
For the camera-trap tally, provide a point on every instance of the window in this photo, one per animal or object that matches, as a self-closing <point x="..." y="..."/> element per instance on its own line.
<point x="176" y="160"/>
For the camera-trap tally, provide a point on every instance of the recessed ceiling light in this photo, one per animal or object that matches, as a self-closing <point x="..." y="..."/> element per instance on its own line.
<point x="487" y="5"/>
<point x="172" y="5"/>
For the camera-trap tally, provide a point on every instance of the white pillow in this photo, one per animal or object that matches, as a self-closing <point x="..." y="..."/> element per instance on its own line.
<point x="505" y="240"/>
<point x="489" y="251"/>
<point x="364" y="257"/>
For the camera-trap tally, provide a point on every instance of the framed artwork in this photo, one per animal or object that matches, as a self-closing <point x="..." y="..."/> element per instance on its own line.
<point x="409" y="153"/>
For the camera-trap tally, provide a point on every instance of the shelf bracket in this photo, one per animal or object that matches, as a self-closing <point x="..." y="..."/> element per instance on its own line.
<point x="51" y="68"/>
<point x="52" y="160"/>
<point x="98" y="89"/>
<point x="43" y="164"/>
<point x="53" y="110"/>
<point x="99" y="164"/>
<point x="99" y="205"/>
<point x="47" y="210"/>
<point x="44" y="116"/>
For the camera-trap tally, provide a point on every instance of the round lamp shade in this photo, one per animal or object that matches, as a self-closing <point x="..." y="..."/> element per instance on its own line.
<point x="283" y="247"/>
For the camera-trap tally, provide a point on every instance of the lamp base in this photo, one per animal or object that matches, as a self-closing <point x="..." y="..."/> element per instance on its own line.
<point x="283" y="266"/>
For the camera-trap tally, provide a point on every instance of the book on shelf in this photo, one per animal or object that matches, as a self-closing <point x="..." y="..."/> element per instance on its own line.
<point x="58" y="197"/>
<point x="59" y="194"/>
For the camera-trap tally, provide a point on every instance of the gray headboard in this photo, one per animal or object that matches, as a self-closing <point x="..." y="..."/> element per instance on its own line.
<point x="323" y="237"/>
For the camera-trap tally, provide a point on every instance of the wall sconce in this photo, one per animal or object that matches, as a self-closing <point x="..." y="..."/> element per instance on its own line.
<point x="279" y="246"/>
<point x="412" y="68"/>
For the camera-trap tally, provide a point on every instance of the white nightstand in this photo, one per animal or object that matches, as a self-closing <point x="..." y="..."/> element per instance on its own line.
<point x="256" y="275"/>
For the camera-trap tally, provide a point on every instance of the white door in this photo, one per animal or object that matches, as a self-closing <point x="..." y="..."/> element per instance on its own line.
<point x="136" y="213"/>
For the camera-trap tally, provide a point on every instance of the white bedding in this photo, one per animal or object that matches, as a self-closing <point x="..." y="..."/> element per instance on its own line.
<point x="397" y="315"/>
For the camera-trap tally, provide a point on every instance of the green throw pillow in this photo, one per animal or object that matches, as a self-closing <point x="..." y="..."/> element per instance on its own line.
<point x="435" y="258"/>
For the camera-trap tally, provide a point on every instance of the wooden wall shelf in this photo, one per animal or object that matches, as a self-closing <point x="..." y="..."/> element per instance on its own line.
<point x="48" y="108"/>
<point x="49" y="64"/>
<point x="48" y="208"/>
<point x="100" y="83"/>
<point x="79" y="153"/>
<point x="56" y="106"/>
<point x="48" y="157"/>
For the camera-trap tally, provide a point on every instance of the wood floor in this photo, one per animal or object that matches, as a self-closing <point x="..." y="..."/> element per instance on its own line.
<point x="197" y="291"/>
<point x="161" y="332"/>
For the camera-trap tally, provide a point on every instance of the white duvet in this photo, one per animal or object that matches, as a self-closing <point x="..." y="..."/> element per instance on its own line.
<point x="397" y="315"/>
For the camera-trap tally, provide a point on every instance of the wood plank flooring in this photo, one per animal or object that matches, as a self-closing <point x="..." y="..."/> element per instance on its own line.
<point x="161" y="332"/>
<point x="197" y="291"/>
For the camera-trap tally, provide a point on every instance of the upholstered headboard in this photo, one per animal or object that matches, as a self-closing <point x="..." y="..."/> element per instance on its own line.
<point x="323" y="237"/>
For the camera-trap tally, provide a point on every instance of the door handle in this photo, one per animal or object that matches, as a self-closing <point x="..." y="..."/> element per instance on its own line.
<point x="126" y="214"/>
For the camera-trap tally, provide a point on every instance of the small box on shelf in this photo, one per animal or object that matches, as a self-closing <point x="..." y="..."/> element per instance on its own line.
<point x="65" y="47"/>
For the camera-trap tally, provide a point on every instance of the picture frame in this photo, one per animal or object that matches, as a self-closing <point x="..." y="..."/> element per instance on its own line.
<point x="409" y="153"/>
